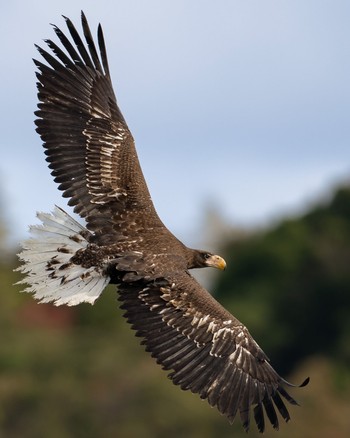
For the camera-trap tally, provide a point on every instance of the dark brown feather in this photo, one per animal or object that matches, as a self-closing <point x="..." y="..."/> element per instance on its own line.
<point x="162" y="313"/>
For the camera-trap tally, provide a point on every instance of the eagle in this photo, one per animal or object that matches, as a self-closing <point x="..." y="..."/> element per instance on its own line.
<point x="92" y="156"/>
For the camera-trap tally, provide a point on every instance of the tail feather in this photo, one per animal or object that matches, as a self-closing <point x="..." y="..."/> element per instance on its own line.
<point x="46" y="256"/>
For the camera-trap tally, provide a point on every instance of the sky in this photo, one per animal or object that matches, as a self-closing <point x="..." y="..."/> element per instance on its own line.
<point x="241" y="105"/>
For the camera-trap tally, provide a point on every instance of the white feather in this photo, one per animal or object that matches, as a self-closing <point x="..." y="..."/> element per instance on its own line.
<point x="46" y="255"/>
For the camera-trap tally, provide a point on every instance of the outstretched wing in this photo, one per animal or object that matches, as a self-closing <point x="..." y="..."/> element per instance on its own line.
<point x="88" y="144"/>
<point x="207" y="349"/>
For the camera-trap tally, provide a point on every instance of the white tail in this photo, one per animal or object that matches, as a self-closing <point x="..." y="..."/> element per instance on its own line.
<point x="49" y="273"/>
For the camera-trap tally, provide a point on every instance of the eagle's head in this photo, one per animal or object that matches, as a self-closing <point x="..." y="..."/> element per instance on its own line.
<point x="204" y="259"/>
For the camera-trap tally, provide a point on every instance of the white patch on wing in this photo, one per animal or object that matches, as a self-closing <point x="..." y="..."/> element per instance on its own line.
<point x="49" y="273"/>
<point x="102" y="150"/>
<point x="227" y="337"/>
<point x="203" y="320"/>
<point x="237" y="356"/>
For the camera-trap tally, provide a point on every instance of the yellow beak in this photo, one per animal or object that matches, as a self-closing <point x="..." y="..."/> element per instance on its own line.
<point x="216" y="262"/>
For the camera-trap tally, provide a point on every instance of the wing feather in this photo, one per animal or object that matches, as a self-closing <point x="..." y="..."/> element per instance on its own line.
<point x="85" y="58"/>
<point x="91" y="45"/>
<point x="59" y="53"/>
<point x="69" y="47"/>
<point x="103" y="51"/>
<point x="88" y="144"/>
<point x="205" y="348"/>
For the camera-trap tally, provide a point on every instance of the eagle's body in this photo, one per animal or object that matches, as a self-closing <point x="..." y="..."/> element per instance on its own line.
<point x="93" y="159"/>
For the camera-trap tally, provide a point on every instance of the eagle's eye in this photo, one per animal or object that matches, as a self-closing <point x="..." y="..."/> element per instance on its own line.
<point x="207" y="256"/>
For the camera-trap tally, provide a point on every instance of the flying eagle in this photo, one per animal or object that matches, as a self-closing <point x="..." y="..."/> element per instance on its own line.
<point x="93" y="159"/>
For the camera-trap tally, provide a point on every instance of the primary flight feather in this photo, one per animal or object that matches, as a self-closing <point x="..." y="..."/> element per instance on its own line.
<point x="93" y="159"/>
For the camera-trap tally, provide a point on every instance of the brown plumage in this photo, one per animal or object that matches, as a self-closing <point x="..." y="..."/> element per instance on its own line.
<point x="92" y="156"/>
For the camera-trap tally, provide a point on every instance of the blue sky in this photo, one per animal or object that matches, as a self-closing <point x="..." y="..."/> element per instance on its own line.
<point x="242" y="104"/>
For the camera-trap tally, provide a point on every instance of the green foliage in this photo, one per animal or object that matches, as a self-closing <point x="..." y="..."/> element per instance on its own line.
<point x="80" y="372"/>
<point x="90" y="381"/>
<point x="291" y="285"/>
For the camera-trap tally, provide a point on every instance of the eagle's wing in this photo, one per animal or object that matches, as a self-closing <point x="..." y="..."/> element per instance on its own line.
<point x="88" y="144"/>
<point x="206" y="348"/>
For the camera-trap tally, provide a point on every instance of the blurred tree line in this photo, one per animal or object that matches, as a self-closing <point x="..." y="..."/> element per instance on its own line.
<point x="79" y="372"/>
<point x="291" y="285"/>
